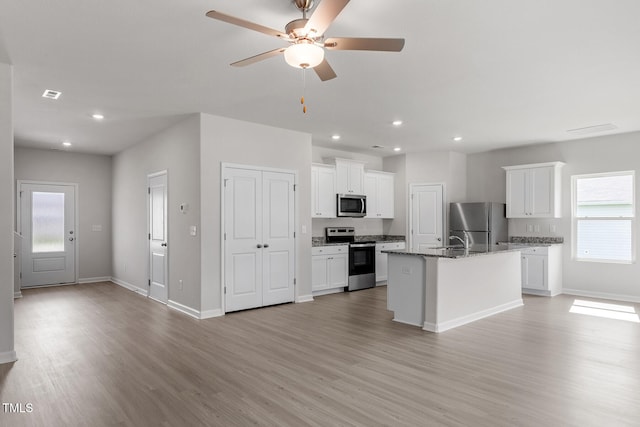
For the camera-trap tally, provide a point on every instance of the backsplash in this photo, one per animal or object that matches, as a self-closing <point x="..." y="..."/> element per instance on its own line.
<point x="320" y="241"/>
<point x="536" y="239"/>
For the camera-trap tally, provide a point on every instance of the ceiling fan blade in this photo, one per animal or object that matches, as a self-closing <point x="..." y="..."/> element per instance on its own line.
<point x="246" y="24"/>
<point x="259" y="57"/>
<point x="323" y="16"/>
<point x="324" y="71"/>
<point x="355" y="43"/>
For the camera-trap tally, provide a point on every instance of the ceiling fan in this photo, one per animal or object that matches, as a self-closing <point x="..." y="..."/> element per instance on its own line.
<point x="306" y="38"/>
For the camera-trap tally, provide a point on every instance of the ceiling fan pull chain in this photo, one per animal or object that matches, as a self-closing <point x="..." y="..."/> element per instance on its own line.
<point x="304" y="86"/>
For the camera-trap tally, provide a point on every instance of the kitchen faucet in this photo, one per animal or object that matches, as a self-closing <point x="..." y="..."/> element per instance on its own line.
<point x="465" y="242"/>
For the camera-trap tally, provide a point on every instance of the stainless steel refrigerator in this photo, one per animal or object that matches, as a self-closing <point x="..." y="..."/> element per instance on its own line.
<point x="484" y="223"/>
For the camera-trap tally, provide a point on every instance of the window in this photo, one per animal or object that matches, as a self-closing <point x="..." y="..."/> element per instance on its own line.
<point x="603" y="212"/>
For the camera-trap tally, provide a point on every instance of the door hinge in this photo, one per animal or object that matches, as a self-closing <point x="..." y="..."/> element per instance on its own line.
<point x="21" y="274"/>
<point x="225" y="290"/>
<point x="225" y="236"/>
<point x="225" y="182"/>
<point x="149" y="281"/>
<point x="148" y="190"/>
<point x="295" y="187"/>
<point x="21" y="193"/>
<point x="149" y="236"/>
<point x="294" y="234"/>
<point x="294" y="281"/>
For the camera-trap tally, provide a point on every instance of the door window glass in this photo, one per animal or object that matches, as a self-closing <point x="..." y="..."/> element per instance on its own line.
<point x="47" y="222"/>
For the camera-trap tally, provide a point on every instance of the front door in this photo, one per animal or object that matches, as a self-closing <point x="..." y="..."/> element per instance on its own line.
<point x="258" y="238"/>
<point x="47" y="226"/>
<point x="426" y="207"/>
<point x="158" y="260"/>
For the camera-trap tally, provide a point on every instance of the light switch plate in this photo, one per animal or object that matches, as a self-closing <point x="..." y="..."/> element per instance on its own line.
<point x="193" y="230"/>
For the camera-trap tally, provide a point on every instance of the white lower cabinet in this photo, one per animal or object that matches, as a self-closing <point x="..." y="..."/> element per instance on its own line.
<point x="329" y="268"/>
<point x="542" y="270"/>
<point x="381" y="259"/>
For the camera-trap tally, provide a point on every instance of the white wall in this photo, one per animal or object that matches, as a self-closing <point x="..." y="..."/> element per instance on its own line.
<point x="234" y="141"/>
<point x="92" y="173"/>
<point x="486" y="181"/>
<point x="7" y="352"/>
<point x="176" y="150"/>
<point x="429" y="167"/>
<point x="327" y="155"/>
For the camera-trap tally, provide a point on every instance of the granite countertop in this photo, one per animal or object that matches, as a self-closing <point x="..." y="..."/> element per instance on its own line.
<point x="536" y="241"/>
<point x="378" y="238"/>
<point x="460" y="252"/>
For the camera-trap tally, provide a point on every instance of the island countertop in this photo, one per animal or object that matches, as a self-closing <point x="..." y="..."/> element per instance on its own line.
<point x="460" y="252"/>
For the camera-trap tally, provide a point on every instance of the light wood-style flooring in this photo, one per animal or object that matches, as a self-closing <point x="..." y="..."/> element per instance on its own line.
<point x="99" y="355"/>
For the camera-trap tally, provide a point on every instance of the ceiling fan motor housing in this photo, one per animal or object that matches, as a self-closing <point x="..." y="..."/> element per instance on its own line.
<point x="295" y="28"/>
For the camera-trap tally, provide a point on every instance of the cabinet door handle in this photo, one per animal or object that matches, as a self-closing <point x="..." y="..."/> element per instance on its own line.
<point x="258" y="246"/>
<point x="266" y="246"/>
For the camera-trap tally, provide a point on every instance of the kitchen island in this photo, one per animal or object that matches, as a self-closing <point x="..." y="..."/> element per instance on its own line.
<point x="440" y="289"/>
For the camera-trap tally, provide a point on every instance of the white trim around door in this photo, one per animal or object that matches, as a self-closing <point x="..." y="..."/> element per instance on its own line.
<point x="225" y="170"/>
<point x="415" y="189"/>
<point x="60" y="274"/>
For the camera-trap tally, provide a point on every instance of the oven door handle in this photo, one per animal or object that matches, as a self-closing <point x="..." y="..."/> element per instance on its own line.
<point x="362" y="245"/>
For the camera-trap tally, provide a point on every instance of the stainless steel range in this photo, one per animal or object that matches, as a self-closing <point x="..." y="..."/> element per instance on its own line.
<point x="362" y="257"/>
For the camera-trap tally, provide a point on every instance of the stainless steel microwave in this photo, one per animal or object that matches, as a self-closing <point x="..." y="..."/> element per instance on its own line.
<point x="352" y="205"/>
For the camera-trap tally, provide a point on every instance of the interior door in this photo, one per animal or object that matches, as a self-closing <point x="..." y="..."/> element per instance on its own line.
<point x="278" y="241"/>
<point x="426" y="209"/>
<point x="259" y="208"/>
<point x="47" y="225"/>
<point x="158" y="253"/>
<point x="243" y="238"/>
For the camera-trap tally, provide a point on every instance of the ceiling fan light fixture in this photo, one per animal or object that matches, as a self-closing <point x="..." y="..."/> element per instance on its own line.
<point x="304" y="55"/>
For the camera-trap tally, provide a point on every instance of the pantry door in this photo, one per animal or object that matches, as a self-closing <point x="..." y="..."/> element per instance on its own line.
<point x="259" y="245"/>
<point x="47" y="226"/>
<point x="426" y="212"/>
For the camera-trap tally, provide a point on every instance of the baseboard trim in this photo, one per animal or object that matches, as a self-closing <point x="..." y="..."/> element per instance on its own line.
<point x="17" y="295"/>
<point x="8" y="357"/>
<point x="602" y="295"/>
<point x="208" y="314"/>
<point x="184" y="309"/>
<point x="94" y="279"/>
<point x="463" y="320"/>
<point x="304" y="298"/>
<point x="129" y="286"/>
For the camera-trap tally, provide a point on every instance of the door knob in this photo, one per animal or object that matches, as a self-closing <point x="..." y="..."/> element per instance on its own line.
<point x="163" y="244"/>
<point x="258" y="246"/>
<point x="71" y="239"/>
<point x="439" y="239"/>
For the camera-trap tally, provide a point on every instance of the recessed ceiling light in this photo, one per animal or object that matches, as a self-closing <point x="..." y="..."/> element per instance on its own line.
<point x="397" y="149"/>
<point x="66" y="144"/>
<point x="397" y="122"/>
<point x="335" y="137"/>
<point x="51" y="94"/>
<point x="457" y="138"/>
<point x="97" y="116"/>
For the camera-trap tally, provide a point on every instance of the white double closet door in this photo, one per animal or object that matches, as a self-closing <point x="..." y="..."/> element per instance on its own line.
<point x="259" y="239"/>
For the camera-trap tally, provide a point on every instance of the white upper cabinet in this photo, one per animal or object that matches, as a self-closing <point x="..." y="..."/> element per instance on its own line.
<point x="379" y="189"/>
<point x="323" y="191"/>
<point x="350" y="176"/>
<point x="534" y="191"/>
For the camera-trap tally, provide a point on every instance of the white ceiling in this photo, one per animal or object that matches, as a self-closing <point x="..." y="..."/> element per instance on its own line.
<point x="497" y="72"/>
